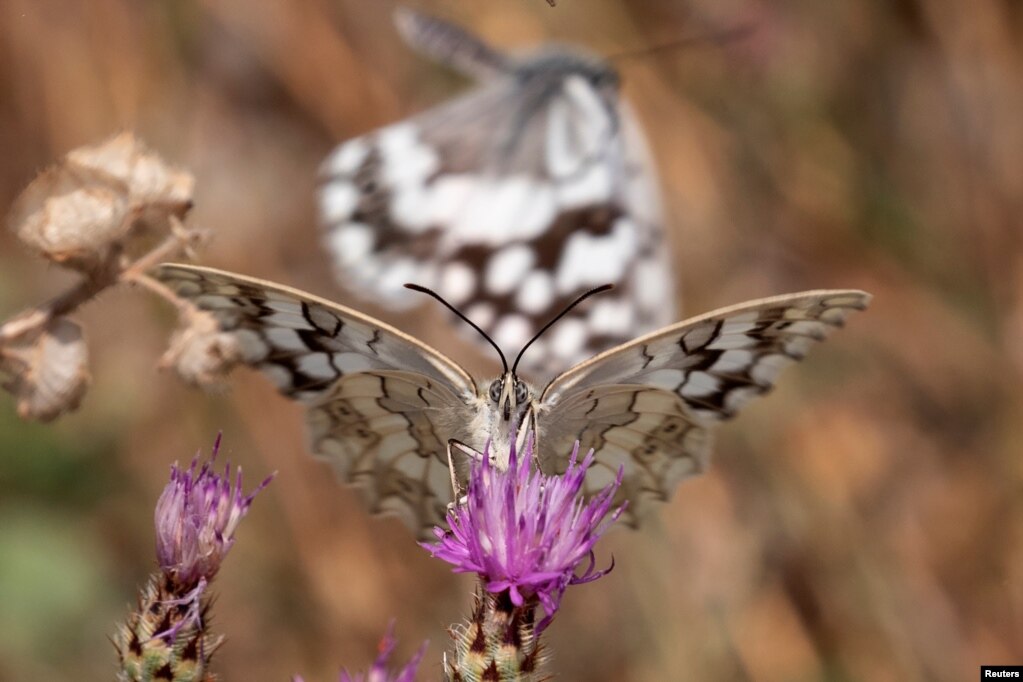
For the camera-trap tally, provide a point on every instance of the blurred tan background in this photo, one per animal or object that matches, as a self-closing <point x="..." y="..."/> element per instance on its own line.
<point x="864" y="523"/>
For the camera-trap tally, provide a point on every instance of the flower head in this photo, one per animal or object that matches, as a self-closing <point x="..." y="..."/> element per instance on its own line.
<point x="196" y="518"/>
<point x="525" y="532"/>
<point x="167" y="636"/>
<point x="379" y="672"/>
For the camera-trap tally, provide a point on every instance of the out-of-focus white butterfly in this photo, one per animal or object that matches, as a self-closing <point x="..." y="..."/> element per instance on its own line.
<point x="390" y="412"/>
<point x="509" y="201"/>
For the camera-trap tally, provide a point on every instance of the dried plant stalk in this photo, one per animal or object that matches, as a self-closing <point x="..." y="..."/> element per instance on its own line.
<point x="109" y="211"/>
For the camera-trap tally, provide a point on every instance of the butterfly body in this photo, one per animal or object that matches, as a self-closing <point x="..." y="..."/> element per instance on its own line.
<point x="393" y="414"/>
<point x="492" y="422"/>
<point x="511" y="199"/>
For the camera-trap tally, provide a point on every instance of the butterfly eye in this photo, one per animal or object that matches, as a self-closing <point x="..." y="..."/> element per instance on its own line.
<point x="521" y="394"/>
<point x="607" y="79"/>
<point x="495" y="391"/>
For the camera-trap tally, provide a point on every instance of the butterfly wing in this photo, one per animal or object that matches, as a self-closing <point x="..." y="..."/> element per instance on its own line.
<point x="448" y="44"/>
<point x="514" y="198"/>
<point x="380" y="403"/>
<point x="651" y="405"/>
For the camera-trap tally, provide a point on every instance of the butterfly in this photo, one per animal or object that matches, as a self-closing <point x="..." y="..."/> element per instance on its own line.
<point x="511" y="199"/>
<point x="390" y="413"/>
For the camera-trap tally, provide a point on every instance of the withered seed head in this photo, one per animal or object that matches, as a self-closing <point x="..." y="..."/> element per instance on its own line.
<point x="99" y="198"/>
<point x="47" y="369"/>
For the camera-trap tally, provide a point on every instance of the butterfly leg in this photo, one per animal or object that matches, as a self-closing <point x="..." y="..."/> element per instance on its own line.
<point x="457" y="491"/>
<point x="527" y="438"/>
<point x="456" y="488"/>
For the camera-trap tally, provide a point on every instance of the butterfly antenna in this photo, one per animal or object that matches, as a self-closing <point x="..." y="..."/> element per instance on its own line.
<point x="716" y="38"/>
<point x="566" y="311"/>
<point x="456" y="311"/>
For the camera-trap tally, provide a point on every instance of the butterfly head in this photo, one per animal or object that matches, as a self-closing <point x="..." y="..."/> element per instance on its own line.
<point x="555" y="63"/>
<point x="510" y="395"/>
<point x="559" y="71"/>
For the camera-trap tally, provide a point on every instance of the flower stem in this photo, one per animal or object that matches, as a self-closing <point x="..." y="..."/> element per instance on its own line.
<point x="499" y="642"/>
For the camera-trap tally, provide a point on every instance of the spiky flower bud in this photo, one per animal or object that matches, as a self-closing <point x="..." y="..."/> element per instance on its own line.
<point x="526" y="535"/>
<point x="196" y="518"/>
<point x="47" y="369"/>
<point x="166" y="637"/>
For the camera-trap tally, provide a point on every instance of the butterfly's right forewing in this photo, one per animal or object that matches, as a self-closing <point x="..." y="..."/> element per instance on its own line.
<point x="650" y="405"/>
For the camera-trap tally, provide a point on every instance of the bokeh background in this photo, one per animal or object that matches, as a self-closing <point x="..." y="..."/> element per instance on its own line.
<point x="864" y="523"/>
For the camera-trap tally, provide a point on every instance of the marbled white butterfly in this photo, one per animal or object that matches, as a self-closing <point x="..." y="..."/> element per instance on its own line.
<point x="511" y="200"/>
<point x="385" y="408"/>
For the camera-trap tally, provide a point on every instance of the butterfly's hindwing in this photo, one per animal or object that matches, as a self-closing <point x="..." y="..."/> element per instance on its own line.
<point x="380" y="431"/>
<point x="645" y="431"/>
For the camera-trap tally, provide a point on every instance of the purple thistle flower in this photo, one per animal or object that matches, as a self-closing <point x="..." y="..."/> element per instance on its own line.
<point x="196" y="518"/>
<point x="525" y="532"/>
<point x="379" y="672"/>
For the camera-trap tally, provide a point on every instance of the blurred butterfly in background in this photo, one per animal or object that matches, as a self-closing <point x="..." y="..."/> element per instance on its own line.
<point x="391" y="413"/>
<point x="509" y="201"/>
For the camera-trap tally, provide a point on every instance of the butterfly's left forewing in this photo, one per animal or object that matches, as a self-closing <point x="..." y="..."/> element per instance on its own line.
<point x="379" y="403"/>
<point x="650" y="405"/>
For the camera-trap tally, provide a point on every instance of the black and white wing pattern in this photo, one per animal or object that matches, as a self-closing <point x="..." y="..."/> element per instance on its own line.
<point x="379" y="402"/>
<point x="509" y="201"/>
<point x="651" y="405"/>
<point x="383" y="407"/>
